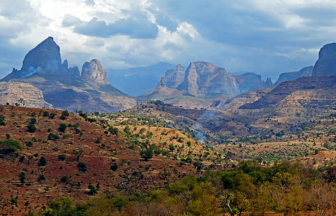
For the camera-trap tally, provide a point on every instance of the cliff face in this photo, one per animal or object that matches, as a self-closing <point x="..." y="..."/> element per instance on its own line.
<point x="31" y="96"/>
<point x="304" y="72"/>
<point x="326" y="64"/>
<point x="94" y="71"/>
<point x="66" y="88"/>
<point x="175" y="76"/>
<point x="251" y="82"/>
<point x="205" y="79"/>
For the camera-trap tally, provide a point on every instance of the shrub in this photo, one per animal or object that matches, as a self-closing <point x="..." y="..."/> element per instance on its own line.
<point x="92" y="189"/>
<point x="29" y="144"/>
<point x="171" y="147"/>
<point x="9" y="146"/>
<point x="114" y="167"/>
<point x="31" y="128"/>
<point x="64" y="179"/>
<point x="113" y="130"/>
<point x="52" y="115"/>
<point x="32" y="121"/>
<point x="127" y="129"/>
<point x="62" y="127"/>
<point x="62" y="157"/>
<point x="2" y="120"/>
<point x="52" y="136"/>
<point x="43" y="161"/>
<point x="65" y="114"/>
<point x="147" y="154"/>
<point x="82" y="166"/>
<point x="22" y="177"/>
<point x="45" y="113"/>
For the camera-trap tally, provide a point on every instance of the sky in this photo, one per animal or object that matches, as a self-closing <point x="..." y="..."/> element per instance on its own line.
<point x="267" y="37"/>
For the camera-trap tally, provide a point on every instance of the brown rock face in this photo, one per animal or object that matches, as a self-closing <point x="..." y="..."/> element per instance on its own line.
<point x="175" y="76"/>
<point x="204" y="78"/>
<point x="45" y="56"/>
<point x="304" y="72"/>
<point x="32" y="97"/>
<point x="326" y="64"/>
<point x="251" y="82"/>
<point x="94" y="71"/>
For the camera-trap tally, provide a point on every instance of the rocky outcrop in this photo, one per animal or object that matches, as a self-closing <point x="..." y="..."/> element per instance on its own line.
<point x="94" y="71"/>
<point x="31" y="96"/>
<point x="326" y="64"/>
<point x="205" y="79"/>
<point x="304" y="72"/>
<point x="175" y="76"/>
<point x="162" y="82"/>
<point x="251" y="82"/>
<point x="45" y="56"/>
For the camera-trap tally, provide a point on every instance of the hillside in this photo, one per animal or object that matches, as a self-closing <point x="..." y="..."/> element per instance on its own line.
<point x="57" y="160"/>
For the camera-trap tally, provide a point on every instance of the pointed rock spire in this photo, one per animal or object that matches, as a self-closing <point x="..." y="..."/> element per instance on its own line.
<point x="94" y="71"/>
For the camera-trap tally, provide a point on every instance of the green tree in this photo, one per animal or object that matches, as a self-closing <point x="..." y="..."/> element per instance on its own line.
<point x="147" y="154"/>
<point x="43" y="161"/>
<point x="31" y="128"/>
<point x="22" y="177"/>
<point x="63" y="127"/>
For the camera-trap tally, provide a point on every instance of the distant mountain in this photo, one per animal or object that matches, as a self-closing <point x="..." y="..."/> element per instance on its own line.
<point x="63" y="87"/>
<point x="289" y="76"/>
<point x="326" y="64"/>
<point x="137" y="81"/>
<point x="251" y="82"/>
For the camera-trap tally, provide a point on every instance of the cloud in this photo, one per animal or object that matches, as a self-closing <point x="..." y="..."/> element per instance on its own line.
<point x="95" y="42"/>
<point x="268" y="37"/>
<point x="90" y="2"/>
<point x="70" y="20"/>
<point x="132" y="27"/>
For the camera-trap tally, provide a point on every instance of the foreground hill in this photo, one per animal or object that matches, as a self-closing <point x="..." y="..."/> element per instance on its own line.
<point x="46" y="153"/>
<point x="64" y="87"/>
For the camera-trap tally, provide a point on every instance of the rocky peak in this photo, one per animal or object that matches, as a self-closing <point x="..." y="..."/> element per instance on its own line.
<point x="175" y="76"/>
<point x="94" y="71"/>
<point x="204" y="78"/>
<point x="326" y="64"/>
<point x="162" y="82"/>
<point x="45" y="56"/>
<point x="268" y="83"/>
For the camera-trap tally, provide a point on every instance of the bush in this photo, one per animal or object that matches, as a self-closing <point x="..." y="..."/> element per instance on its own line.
<point x="92" y="189"/>
<point x="64" y="179"/>
<point x="32" y="121"/>
<point x="2" y="120"/>
<point x="43" y="161"/>
<point x="114" y="167"/>
<point x="62" y="157"/>
<point x="147" y="154"/>
<point x="62" y="127"/>
<point x="52" y="115"/>
<point x="45" y="113"/>
<point x="9" y="146"/>
<point x="31" y="128"/>
<point x="82" y="166"/>
<point x="52" y="136"/>
<point x="65" y="114"/>
<point x="113" y="130"/>
<point x="29" y="144"/>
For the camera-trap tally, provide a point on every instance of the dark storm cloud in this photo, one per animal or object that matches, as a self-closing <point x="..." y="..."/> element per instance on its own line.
<point x="132" y="27"/>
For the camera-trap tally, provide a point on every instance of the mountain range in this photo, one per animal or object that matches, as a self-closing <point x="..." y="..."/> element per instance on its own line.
<point x="51" y="83"/>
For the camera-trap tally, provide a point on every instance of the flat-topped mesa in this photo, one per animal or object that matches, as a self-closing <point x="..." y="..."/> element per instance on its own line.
<point x="94" y="71"/>
<point x="175" y="76"/>
<point x="204" y="78"/>
<point x="45" y="56"/>
<point x="326" y="64"/>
